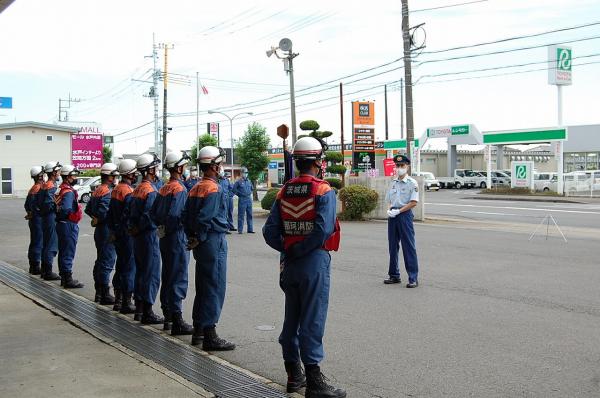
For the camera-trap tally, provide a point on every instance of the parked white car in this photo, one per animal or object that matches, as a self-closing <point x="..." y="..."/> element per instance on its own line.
<point x="429" y="180"/>
<point x="543" y="181"/>
<point x="84" y="191"/>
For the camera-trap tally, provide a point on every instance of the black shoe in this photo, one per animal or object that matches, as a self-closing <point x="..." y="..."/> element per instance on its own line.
<point x="98" y="293"/>
<point x="391" y="280"/>
<point x="105" y="297"/>
<point x="179" y="327"/>
<point x="212" y="342"/>
<point x="412" y="285"/>
<point x="317" y="387"/>
<point x="68" y="282"/>
<point x="296" y="378"/>
<point x="197" y="336"/>
<point x="48" y="275"/>
<point x="233" y="229"/>
<point x="251" y="232"/>
<point x="227" y="233"/>
<point x="167" y="322"/>
<point x="118" y="300"/>
<point x="149" y="317"/>
<point x="35" y="268"/>
<point x="127" y="306"/>
<point x="139" y="309"/>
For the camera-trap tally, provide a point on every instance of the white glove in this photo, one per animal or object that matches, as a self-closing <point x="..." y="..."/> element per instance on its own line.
<point x="393" y="213"/>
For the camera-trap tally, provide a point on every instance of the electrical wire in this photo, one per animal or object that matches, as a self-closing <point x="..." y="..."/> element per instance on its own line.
<point x="448" y="6"/>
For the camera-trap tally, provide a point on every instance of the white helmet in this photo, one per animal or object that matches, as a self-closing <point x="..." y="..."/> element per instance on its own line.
<point x="51" y="167"/>
<point x="147" y="161"/>
<point x="174" y="159"/>
<point x="109" y="169"/>
<point x="127" y="166"/>
<point x="36" y="171"/>
<point x="211" y="155"/>
<point x="309" y="148"/>
<point x="69" y="170"/>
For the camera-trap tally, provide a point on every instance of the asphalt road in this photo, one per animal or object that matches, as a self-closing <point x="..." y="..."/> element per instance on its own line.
<point x="461" y="204"/>
<point x="496" y="315"/>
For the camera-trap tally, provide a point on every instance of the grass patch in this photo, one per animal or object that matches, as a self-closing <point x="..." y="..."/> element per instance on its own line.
<point x="517" y="191"/>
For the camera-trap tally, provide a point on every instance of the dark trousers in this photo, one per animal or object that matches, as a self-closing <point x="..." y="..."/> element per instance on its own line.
<point x="401" y="231"/>
<point x="67" y="232"/>
<point x="175" y="260"/>
<point x="105" y="256"/>
<point x="147" y="261"/>
<point x="36" y="239"/>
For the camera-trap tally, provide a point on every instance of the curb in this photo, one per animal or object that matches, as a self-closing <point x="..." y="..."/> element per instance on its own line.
<point x="525" y="199"/>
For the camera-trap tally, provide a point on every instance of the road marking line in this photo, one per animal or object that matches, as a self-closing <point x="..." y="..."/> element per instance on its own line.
<point x="487" y="212"/>
<point x="515" y="208"/>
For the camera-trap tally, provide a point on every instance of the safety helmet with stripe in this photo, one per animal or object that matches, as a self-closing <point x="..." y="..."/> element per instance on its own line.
<point x="174" y="159"/>
<point x="309" y="148"/>
<point x="109" y="169"/>
<point x="211" y="155"/>
<point x="147" y="161"/>
<point x="51" y="167"/>
<point x="69" y="170"/>
<point x="36" y="171"/>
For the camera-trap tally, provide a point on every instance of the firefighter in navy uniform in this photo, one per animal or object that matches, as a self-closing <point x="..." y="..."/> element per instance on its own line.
<point x="34" y="221"/>
<point x="402" y="196"/>
<point x="47" y="207"/>
<point x="97" y="209"/>
<point x="303" y="227"/>
<point x="68" y="215"/>
<point x="193" y="179"/>
<point x="205" y="224"/>
<point x="166" y="213"/>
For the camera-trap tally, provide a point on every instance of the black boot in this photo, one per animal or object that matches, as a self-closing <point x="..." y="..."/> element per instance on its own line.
<point x="98" y="294"/>
<point x="68" y="282"/>
<point x="47" y="273"/>
<point x="198" y="336"/>
<point x="118" y="299"/>
<point x="317" y="387"/>
<point x="127" y="306"/>
<point x="105" y="297"/>
<point x="296" y="379"/>
<point x="167" y="322"/>
<point x="139" y="309"/>
<point x="149" y="317"/>
<point x="212" y="342"/>
<point x="179" y="326"/>
<point x="34" y="268"/>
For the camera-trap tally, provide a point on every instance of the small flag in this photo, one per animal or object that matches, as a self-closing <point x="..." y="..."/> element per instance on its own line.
<point x="204" y="90"/>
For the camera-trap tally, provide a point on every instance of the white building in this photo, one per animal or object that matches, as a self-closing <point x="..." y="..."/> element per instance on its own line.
<point x="27" y="144"/>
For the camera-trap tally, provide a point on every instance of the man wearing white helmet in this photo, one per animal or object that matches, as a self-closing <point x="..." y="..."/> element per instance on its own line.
<point x="117" y="223"/>
<point x="205" y="223"/>
<point x="47" y="206"/>
<point x="167" y="214"/>
<point x="243" y="189"/>
<point x="193" y="179"/>
<point x="97" y="209"/>
<point x="303" y="227"/>
<point x="68" y="215"/>
<point x="145" y="240"/>
<point x="34" y="221"/>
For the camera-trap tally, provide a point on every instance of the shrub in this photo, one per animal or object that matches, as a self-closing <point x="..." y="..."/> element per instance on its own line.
<point x="334" y="156"/>
<point x="336" y="169"/>
<point x="309" y="125"/>
<point x="358" y="201"/>
<point x="334" y="182"/>
<point x="269" y="198"/>
<point x="90" y="173"/>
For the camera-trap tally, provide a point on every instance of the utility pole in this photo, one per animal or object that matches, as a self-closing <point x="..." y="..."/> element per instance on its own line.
<point x="197" y="112"/>
<point x="292" y="94"/>
<point x="386" y="112"/>
<point x="62" y="109"/>
<point x="154" y="92"/>
<point x="342" y="131"/>
<point x="401" y="108"/>
<point x="166" y="47"/>
<point x="410" y="131"/>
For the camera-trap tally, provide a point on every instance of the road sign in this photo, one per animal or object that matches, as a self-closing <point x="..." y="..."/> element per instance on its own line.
<point x="283" y="131"/>
<point x="363" y="143"/>
<point x="559" y="65"/>
<point x="213" y="129"/>
<point x="5" y="102"/>
<point x="272" y="165"/>
<point x="522" y="175"/>
<point x="109" y="139"/>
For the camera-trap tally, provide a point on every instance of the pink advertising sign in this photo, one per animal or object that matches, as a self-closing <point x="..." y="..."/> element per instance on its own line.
<point x="86" y="150"/>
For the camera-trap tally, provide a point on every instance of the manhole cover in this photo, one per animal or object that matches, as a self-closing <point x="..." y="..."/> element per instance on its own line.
<point x="265" y="328"/>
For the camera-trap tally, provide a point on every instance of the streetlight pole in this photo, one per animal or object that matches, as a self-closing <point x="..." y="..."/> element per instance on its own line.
<point x="231" y="130"/>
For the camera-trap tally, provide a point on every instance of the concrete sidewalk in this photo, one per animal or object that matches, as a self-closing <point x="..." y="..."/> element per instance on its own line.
<point x="44" y="355"/>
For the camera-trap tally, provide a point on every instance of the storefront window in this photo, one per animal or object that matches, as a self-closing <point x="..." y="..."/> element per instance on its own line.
<point x="592" y="161"/>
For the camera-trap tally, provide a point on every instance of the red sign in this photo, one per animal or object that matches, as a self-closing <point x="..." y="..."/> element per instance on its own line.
<point x="388" y="167"/>
<point x="86" y="151"/>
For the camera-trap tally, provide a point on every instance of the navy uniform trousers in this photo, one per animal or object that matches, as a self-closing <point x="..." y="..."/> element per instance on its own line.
<point x="401" y="231"/>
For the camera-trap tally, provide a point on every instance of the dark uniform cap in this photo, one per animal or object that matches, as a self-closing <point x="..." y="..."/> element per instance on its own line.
<point x="399" y="159"/>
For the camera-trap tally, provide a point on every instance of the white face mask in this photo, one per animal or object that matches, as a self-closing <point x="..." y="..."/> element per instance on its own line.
<point x="221" y="171"/>
<point x="401" y="171"/>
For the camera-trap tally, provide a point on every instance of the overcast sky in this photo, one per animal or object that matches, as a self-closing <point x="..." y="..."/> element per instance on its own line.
<point x="92" y="50"/>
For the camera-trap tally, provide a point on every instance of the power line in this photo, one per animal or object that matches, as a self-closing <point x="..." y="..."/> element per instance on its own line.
<point x="449" y="6"/>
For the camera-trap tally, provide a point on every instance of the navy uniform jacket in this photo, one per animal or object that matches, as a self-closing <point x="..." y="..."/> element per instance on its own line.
<point x="32" y="200"/>
<point x="243" y="188"/>
<point x="169" y="205"/>
<point x="205" y="210"/>
<point x="99" y="203"/>
<point x="139" y="209"/>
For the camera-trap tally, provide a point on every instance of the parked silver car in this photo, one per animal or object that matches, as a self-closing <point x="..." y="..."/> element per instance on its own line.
<point x="84" y="191"/>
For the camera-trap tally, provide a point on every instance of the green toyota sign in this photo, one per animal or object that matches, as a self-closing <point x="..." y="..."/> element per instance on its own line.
<point x="447" y="131"/>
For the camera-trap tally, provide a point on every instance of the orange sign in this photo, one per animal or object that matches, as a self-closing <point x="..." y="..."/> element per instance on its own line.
<point x="363" y="113"/>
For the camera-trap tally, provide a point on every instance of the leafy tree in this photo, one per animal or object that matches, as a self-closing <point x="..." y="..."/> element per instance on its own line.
<point x="107" y="154"/>
<point x="203" y="140"/>
<point x="251" y="151"/>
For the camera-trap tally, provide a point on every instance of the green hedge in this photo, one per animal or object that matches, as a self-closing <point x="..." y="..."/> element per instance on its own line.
<point x="90" y="173"/>
<point x="267" y="201"/>
<point x="335" y="182"/>
<point x="358" y="201"/>
<point x="336" y="169"/>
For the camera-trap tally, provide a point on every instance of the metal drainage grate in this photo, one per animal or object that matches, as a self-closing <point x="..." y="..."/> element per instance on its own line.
<point x="218" y="379"/>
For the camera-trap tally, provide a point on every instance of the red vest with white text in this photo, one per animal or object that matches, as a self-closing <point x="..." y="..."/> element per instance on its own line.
<point x="297" y="201"/>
